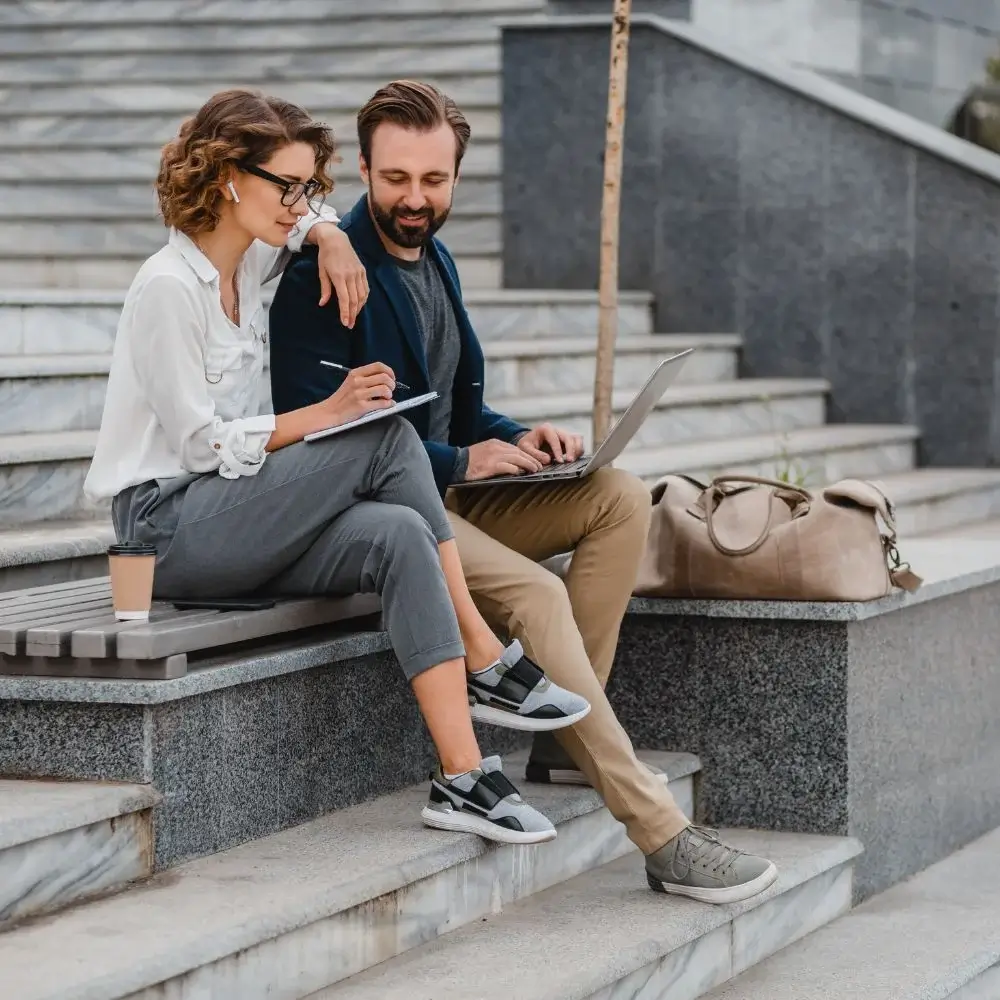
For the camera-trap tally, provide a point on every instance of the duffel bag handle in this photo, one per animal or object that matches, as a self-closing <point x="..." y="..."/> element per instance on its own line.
<point x="714" y="496"/>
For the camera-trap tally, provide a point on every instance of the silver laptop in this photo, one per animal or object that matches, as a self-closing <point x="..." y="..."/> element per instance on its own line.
<point x="614" y="444"/>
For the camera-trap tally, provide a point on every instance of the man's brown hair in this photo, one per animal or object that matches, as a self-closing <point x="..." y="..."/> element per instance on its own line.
<point x="413" y="105"/>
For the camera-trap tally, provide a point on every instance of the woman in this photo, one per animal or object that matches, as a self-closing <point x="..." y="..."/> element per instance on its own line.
<point x="237" y="503"/>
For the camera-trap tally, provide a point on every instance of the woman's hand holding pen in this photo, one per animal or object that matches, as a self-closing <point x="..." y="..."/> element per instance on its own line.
<point x="367" y="388"/>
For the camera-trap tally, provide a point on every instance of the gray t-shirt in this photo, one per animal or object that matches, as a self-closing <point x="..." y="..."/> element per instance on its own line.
<point x="442" y="345"/>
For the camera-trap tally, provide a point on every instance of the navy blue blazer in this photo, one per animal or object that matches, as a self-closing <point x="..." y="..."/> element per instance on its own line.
<point x="303" y="333"/>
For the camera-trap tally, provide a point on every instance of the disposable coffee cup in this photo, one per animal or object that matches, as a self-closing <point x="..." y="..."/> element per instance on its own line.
<point x="131" y="567"/>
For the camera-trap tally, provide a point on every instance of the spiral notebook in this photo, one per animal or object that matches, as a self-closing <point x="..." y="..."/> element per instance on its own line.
<point x="367" y="418"/>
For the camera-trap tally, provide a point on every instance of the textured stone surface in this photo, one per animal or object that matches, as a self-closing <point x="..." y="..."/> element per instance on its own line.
<point x="916" y="55"/>
<point x="240" y="756"/>
<point x="281" y="917"/>
<point x="880" y="951"/>
<point x="884" y="728"/>
<point x="841" y="239"/>
<point x="600" y="935"/>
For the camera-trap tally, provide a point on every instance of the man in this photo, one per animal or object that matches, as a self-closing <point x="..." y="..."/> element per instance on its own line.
<point x="412" y="140"/>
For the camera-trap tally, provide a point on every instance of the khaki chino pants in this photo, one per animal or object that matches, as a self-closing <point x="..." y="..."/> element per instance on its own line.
<point x="570" y="628"/>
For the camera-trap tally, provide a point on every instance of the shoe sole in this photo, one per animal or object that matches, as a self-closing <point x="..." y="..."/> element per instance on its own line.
<point x="554" y="776"/>
<point x="458" y="822"/>
<point x="511" y="720"/>
<point x="731" y="894"/>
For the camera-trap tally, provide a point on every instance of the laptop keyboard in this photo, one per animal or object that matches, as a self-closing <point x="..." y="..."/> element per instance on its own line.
<point x="563" y="469"/>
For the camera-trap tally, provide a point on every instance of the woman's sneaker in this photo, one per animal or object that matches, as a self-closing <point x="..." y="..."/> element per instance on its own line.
<point x="515" y="693"/>
<point x="698" y="865"/>
<point x="485" y="801"/>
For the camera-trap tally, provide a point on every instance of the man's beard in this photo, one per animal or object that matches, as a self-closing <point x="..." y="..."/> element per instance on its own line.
<point x="410" y="237"/>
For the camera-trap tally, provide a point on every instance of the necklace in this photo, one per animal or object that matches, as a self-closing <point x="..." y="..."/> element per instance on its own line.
<point x="236" y="289"/>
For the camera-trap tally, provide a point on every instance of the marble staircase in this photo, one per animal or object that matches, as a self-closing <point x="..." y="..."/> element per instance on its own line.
<point x="365" y="902"/>
<point x="90" y="92"/>
<point x="935" y="935"/>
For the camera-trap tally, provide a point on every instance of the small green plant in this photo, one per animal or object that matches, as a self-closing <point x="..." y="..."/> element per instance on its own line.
<point x="789" y="468"/>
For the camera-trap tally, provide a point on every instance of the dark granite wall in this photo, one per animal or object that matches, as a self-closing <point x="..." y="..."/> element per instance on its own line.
<point x="839" y="238"/>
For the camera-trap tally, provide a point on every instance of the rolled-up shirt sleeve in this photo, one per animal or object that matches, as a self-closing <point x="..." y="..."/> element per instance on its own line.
<point x="168" y="353"/>
<point x="271" y="261"/>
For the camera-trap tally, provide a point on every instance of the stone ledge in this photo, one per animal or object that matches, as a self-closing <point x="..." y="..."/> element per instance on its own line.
<point x="835" y="96"/>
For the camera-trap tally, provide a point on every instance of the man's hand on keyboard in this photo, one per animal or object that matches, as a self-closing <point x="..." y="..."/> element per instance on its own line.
<point x="547" y="443"/>
<point x="498" y="458"/>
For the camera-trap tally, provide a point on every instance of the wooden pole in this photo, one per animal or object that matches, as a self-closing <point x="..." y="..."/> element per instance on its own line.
<point x="607" y="319"/>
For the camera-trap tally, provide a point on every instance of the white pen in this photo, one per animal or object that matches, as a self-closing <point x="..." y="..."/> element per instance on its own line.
<point x="344" y="368"/>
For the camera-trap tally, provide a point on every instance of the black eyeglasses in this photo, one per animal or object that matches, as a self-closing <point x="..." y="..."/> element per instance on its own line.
<point x="293" y="190"/>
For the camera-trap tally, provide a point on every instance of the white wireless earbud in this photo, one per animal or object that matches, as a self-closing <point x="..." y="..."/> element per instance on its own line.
<point x="232" y="191"/>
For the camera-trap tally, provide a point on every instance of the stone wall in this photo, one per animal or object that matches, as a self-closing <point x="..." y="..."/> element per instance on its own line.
<point x="919" y="56"/>
<point x="839" y="237"/>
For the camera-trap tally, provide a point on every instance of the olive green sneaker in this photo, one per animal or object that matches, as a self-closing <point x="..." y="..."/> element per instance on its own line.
<point x="698" y="865"/>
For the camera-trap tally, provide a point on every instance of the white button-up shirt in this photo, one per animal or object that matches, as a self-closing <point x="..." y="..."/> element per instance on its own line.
<point x="183" y="393"/>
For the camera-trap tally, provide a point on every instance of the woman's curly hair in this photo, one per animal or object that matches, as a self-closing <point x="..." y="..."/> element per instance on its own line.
<point x="234" y="126"/>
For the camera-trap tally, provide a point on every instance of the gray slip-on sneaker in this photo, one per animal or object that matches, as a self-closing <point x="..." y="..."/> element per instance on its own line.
<point x="698" y="865"/>
<point x="485" y="801"/>
<point x="515" y="693"/>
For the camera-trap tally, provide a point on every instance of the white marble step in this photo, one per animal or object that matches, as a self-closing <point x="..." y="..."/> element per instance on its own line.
<point x="931" y="501"/>
<point x="133" y="98"/>
<point x="927" y="938"/>
<point x="62" y="842"/>
<point x="273" y="64"/>
<point x="603" y="935"/>
<point x="686" y="413"/>
<point x="979" y="530"/>
<point x="811" y="456"/>
<point x="463" y="27"/>
<point x="83" y="321"/>
<point x="41" y="475"/>
<point x="88" y="174"/>
<point x="89" y="238"/>
<point x="151" y="13"/>
<point x="297" y="911"/>
<point x="66" y="270"/>
<point x="109" y="128"/>
<point x="63" y="392"/>
<point x="36" y="555"/>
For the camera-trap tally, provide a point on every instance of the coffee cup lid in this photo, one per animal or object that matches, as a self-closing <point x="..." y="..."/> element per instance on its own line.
<point x="132" y="549"/>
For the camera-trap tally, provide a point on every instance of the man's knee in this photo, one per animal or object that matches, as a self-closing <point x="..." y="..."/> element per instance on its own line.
<point x="623" y="495"/>
<point x="403" y="529"/>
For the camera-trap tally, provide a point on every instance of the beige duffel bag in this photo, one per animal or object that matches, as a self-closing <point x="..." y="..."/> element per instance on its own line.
<point x="746" y="538"/>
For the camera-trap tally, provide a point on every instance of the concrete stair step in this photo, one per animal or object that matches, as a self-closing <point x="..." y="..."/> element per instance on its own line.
<point x="36" y="555"/>
<point x="89" y="238"/>
<point x="933" y="936"/>
<point x="62" y="842"/>
<point x="275" y="65"/>
<point x="603" y="934"/>
<point x="104" y="127"/>
<point x="152" y="13"/>
<point x="981" y="530"/>
<point x="686" y="413"/>
<point x="294" y="912"/>
<point x="120" y="181"/>
<point x="42" y="474"/>
<point x="63" y="392"/>
<point x="474" y="90"/>
<point x="930" y="501"/>
<point x="83" y="321"/>
<point x="39" y="41"/>
<point x="71" y="270"/>
<point x="811" y="456"/>
<point x="41" y="477"/>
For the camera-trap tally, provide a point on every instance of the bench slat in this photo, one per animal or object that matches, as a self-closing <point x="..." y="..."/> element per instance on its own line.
<point x="12" y="633"/>
<point x="55" y="588"/>
<point x="10" y="607"/>
<point x="101" y="641"/>
<point x="163" y="669"/>
<point x="158" y="640"/>
<point x="80" y="602"/>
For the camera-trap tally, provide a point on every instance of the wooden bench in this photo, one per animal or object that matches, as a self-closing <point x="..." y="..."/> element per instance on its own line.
<point x="69" y="630"/>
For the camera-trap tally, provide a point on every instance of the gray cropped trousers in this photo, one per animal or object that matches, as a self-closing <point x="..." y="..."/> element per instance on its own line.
<point x="357" y="512"/>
